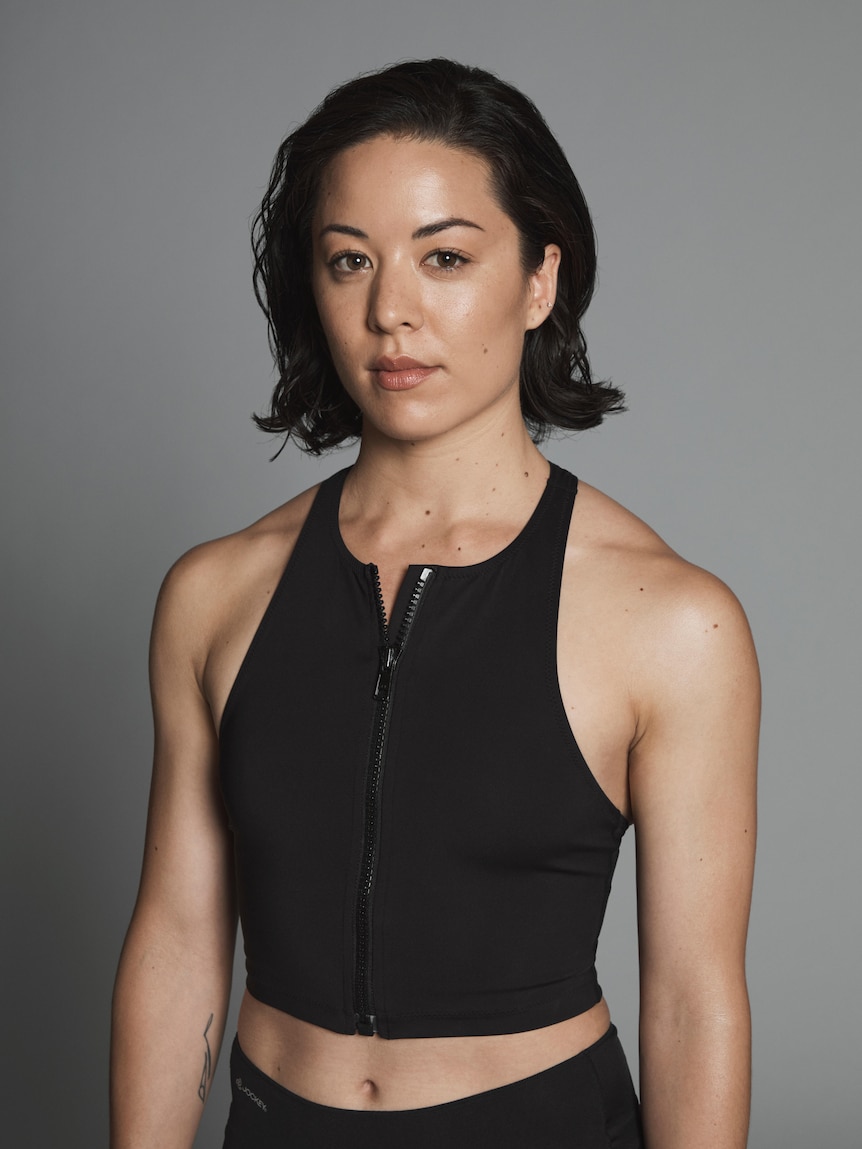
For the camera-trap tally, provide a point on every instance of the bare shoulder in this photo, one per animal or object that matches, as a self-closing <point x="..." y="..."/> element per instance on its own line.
<point x="214" y="584"/>
<point x="674" y="621"/>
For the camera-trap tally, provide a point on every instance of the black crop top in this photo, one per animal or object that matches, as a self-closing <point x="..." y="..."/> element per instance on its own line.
<point x="421" y="850"/>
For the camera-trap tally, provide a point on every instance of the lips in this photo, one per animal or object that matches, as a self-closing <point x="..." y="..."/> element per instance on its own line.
<point x="400" y="372"/>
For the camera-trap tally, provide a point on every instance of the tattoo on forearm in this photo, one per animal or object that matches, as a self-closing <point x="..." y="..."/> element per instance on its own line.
<point x="208" y="1063"/>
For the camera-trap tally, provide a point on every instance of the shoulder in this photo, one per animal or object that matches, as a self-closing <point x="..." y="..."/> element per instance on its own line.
<point x="677" y="626"/>
<point x="207" y="585"/>
<point x="633" y="559"/>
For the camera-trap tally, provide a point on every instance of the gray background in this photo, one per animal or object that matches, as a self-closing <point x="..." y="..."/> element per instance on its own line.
<point x="718" y="145"/>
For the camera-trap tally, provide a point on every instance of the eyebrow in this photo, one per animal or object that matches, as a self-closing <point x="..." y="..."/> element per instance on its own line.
<point x="424" y="232"/>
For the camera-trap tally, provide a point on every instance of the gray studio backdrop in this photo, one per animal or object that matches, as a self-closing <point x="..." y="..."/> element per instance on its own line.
<point x="718" y="144"/>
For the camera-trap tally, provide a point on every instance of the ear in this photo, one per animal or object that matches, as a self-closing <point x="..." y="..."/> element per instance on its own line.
<point x="542" y="285"/>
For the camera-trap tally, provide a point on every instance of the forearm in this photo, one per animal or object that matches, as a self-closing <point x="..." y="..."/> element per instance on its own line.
<point x="170" y="1004"/>
<point x="696" y="1076"/>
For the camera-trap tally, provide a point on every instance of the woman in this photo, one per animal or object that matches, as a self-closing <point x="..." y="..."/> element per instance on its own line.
<point x="409" y="715"/>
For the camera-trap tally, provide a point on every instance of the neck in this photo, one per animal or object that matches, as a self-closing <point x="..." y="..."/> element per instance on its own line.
<point x="464" y="476"/>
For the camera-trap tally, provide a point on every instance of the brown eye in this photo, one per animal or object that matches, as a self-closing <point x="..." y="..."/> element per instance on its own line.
<point x="445" y="259"/>
<point x="349" y="261"/>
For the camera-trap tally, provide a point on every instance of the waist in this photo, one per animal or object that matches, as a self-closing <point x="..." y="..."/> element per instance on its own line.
<point x="348" y="1071"/>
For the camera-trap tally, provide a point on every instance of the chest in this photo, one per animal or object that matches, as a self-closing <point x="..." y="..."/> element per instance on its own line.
<point x="472" y="741"/>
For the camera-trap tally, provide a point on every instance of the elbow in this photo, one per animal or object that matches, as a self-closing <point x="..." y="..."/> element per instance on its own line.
<point x="716" y="1002"/>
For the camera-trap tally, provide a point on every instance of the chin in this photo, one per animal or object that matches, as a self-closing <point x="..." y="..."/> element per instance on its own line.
<point x="421" y="419"/>
<point x="408" y="421"/>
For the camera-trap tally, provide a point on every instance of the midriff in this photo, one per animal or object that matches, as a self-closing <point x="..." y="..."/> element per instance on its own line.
<point x="348" y="1071"/>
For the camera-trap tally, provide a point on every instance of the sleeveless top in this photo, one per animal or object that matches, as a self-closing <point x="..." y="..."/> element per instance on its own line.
<point x="421" y="849"/>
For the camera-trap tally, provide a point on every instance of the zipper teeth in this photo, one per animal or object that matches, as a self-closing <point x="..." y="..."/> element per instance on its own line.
<point x="407" y="621"/>
<point x="369" y="852"/>
<point x="381" y="605"/>
<point x="362" y="990"/>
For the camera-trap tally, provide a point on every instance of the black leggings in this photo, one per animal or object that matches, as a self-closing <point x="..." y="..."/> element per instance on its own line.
<point x="587" y="1102"/>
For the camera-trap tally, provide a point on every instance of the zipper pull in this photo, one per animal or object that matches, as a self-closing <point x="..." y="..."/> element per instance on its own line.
<point x="366" y="1024"/>
<point x="388" y="658"/>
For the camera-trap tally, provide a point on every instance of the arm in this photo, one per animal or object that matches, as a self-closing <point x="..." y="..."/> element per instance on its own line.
<point x="692" y="778"/>
<point x="173" y="981"/>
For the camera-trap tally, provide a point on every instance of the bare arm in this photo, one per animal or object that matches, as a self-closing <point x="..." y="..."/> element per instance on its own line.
<point x="173" y="981"/>
<point x="692" y="777"/>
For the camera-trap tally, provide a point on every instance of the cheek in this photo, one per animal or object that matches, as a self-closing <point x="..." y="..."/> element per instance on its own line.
<point x="487" y="309"/>
<point x="337" y="320"/>
<point x="497" y="319"/>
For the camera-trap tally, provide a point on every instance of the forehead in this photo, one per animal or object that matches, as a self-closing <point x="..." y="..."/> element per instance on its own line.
<point x="388" y="180"/>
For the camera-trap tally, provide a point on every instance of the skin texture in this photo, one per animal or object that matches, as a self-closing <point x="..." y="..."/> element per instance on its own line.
<point x="655" y="662"/>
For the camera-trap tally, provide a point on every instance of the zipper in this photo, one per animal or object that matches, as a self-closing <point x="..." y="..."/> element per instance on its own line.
<point x="389" y="655"/>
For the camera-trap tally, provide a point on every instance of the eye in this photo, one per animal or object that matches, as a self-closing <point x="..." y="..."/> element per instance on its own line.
<point x="349" y="261"/>
<point x="445" y="259"/>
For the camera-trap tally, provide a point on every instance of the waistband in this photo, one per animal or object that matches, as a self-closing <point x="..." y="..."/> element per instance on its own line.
<point x="585" y="1101"/>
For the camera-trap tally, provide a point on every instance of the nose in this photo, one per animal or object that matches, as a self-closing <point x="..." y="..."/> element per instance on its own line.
<point x="395" y="299"/>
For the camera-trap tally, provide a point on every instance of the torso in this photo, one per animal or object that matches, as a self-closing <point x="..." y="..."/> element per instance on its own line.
<point x="616" y="580"/>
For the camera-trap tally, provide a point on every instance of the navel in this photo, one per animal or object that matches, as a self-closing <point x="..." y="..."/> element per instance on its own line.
<point x="368" y="1089"/>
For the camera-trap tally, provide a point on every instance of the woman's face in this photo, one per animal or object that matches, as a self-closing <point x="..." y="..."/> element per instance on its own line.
<point x="419" y="286"/>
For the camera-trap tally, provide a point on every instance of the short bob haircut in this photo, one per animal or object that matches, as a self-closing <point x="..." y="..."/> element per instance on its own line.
<point x="461" y="107"/>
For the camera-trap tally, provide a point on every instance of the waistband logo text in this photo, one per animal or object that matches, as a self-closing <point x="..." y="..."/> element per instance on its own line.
<point x="251" y="1096"/>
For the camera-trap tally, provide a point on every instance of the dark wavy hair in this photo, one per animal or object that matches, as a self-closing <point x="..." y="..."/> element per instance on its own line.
<point x="461" y="107"/>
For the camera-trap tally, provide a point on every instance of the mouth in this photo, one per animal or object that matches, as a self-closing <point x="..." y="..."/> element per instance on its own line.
<point x="400" y="373"/>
